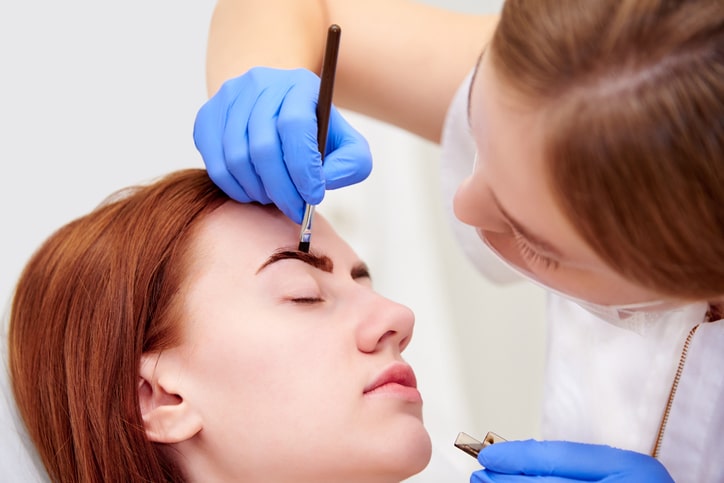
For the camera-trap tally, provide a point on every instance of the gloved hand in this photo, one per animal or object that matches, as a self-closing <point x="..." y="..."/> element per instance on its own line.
<point x="563" y="461"/>
<point x="258" y="138"/>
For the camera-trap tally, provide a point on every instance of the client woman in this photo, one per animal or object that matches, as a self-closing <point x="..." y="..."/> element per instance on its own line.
<point x="175" y="335"/>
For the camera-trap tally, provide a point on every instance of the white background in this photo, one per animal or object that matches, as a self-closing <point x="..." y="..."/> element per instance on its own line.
<point x="95" y="96"/>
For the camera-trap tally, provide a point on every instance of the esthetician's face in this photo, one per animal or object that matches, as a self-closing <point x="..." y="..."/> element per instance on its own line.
<point x="293" y="360"/>
<point x="508" y="200"/>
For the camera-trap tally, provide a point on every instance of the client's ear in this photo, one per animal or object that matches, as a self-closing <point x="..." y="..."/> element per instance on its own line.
<point x="167" y="418"/>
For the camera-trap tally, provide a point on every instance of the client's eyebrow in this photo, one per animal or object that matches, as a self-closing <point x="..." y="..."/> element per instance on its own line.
<point x="319" y="261"/>
<point x="360" y="271"/>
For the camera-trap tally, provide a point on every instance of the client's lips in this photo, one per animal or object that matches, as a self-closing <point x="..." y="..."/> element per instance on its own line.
<point x="396" y="380"/>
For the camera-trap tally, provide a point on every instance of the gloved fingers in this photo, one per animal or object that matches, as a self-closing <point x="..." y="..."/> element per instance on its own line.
<point x="297" y="128"/>
<point x="267" y="153"/>
<point x="569" y="460"/>
<point x="258" y="138"/>
<point x="349" y="160"/>
<point x="207" y="125"/>
<point x="239" y="165"/>
<point x="487" y="476"/>
<point x="482" y="476"/>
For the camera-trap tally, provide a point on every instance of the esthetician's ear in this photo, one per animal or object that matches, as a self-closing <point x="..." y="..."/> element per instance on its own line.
<point x="167" y="418"/>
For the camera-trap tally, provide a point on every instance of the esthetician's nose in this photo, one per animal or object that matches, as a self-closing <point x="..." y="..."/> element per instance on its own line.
<point x="474" y="204"/>
<point x="384" y="324"/>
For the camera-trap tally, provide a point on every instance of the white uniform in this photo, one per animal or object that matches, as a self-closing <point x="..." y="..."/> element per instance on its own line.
<point x="607" y="383"/>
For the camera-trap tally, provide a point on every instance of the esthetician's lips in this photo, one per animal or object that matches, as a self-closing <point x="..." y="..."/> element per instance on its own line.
<point x="397" y="380"/>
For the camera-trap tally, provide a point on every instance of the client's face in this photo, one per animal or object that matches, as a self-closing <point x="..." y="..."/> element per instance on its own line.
<point x="292" y="361"/>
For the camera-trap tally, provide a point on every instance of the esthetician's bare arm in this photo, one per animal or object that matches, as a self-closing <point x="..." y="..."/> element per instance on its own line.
<point x="400" y="61"/>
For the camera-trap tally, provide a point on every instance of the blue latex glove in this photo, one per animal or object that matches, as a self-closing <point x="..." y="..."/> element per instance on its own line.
<point x="563" y="461"/>
<point x="258" y="138"/>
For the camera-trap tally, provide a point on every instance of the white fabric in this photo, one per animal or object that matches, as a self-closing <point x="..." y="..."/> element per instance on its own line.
<point x="694" y="440"/>
<point x="607" y="383"/>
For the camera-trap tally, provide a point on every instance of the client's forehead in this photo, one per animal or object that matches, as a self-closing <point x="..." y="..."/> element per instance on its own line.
<point x="250" y="233"/>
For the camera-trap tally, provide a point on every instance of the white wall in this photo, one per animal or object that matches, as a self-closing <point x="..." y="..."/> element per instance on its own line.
<point x="94" y="96"/>
<point x="97" y="95"/>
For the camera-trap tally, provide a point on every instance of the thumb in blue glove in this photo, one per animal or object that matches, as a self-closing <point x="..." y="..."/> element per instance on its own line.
<point x="563" y="461"/>
<point x="258" y="139"/>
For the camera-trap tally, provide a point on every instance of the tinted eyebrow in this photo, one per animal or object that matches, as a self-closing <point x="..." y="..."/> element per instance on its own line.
<point x="319" y="261"/>
<point x="472" y="80"/>
<point x="542" y="244"/>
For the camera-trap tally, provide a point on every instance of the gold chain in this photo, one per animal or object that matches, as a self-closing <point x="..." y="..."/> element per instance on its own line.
<point x="712" y="314"/>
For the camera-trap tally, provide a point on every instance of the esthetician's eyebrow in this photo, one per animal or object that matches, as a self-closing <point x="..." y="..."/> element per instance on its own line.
<point x="472" y="80"/>
<point x="319" y="261"/>
<point x="541" y="244"/>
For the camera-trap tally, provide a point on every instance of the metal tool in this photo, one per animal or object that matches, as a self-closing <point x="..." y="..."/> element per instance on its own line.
<point x="472" y="446"/>
<point x="324" y="107"/>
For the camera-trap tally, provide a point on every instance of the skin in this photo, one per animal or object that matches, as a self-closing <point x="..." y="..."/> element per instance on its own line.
<point x="385" y="48"/>
<point x="509" y="171"/>
<point x="508" y="183"/>
<point x="270" y="381"/>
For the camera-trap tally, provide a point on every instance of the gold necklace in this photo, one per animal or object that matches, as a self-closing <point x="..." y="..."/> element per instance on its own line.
<point x="714" y="313"/>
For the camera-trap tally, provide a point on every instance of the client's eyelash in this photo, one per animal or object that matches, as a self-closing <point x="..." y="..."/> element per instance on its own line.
<point x="307" y="300"/>
<point x="531" y="254"/>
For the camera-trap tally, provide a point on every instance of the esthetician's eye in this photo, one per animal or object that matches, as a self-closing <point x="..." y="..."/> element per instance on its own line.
<point x="531" y="255"/>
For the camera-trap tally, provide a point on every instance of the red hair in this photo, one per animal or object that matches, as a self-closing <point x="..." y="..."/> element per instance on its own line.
<point x="96" y="295"/>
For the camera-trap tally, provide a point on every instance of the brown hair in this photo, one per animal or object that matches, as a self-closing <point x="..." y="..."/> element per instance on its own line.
<point x="633" y="92"/>
<point x="95" y="296"/>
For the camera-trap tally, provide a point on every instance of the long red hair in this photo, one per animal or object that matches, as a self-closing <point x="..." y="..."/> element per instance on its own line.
<point x="96" y="295"/>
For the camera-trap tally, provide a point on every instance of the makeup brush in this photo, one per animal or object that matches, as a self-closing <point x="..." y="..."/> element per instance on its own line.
<point x="324" y="107"/>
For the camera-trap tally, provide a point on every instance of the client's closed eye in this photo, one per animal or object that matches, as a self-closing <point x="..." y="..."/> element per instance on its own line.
<point x="307" y="300"/>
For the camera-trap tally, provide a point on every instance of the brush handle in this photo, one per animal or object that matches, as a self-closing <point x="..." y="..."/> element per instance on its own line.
<point x="326" y="86"/>
<point x="324" y="108"/>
